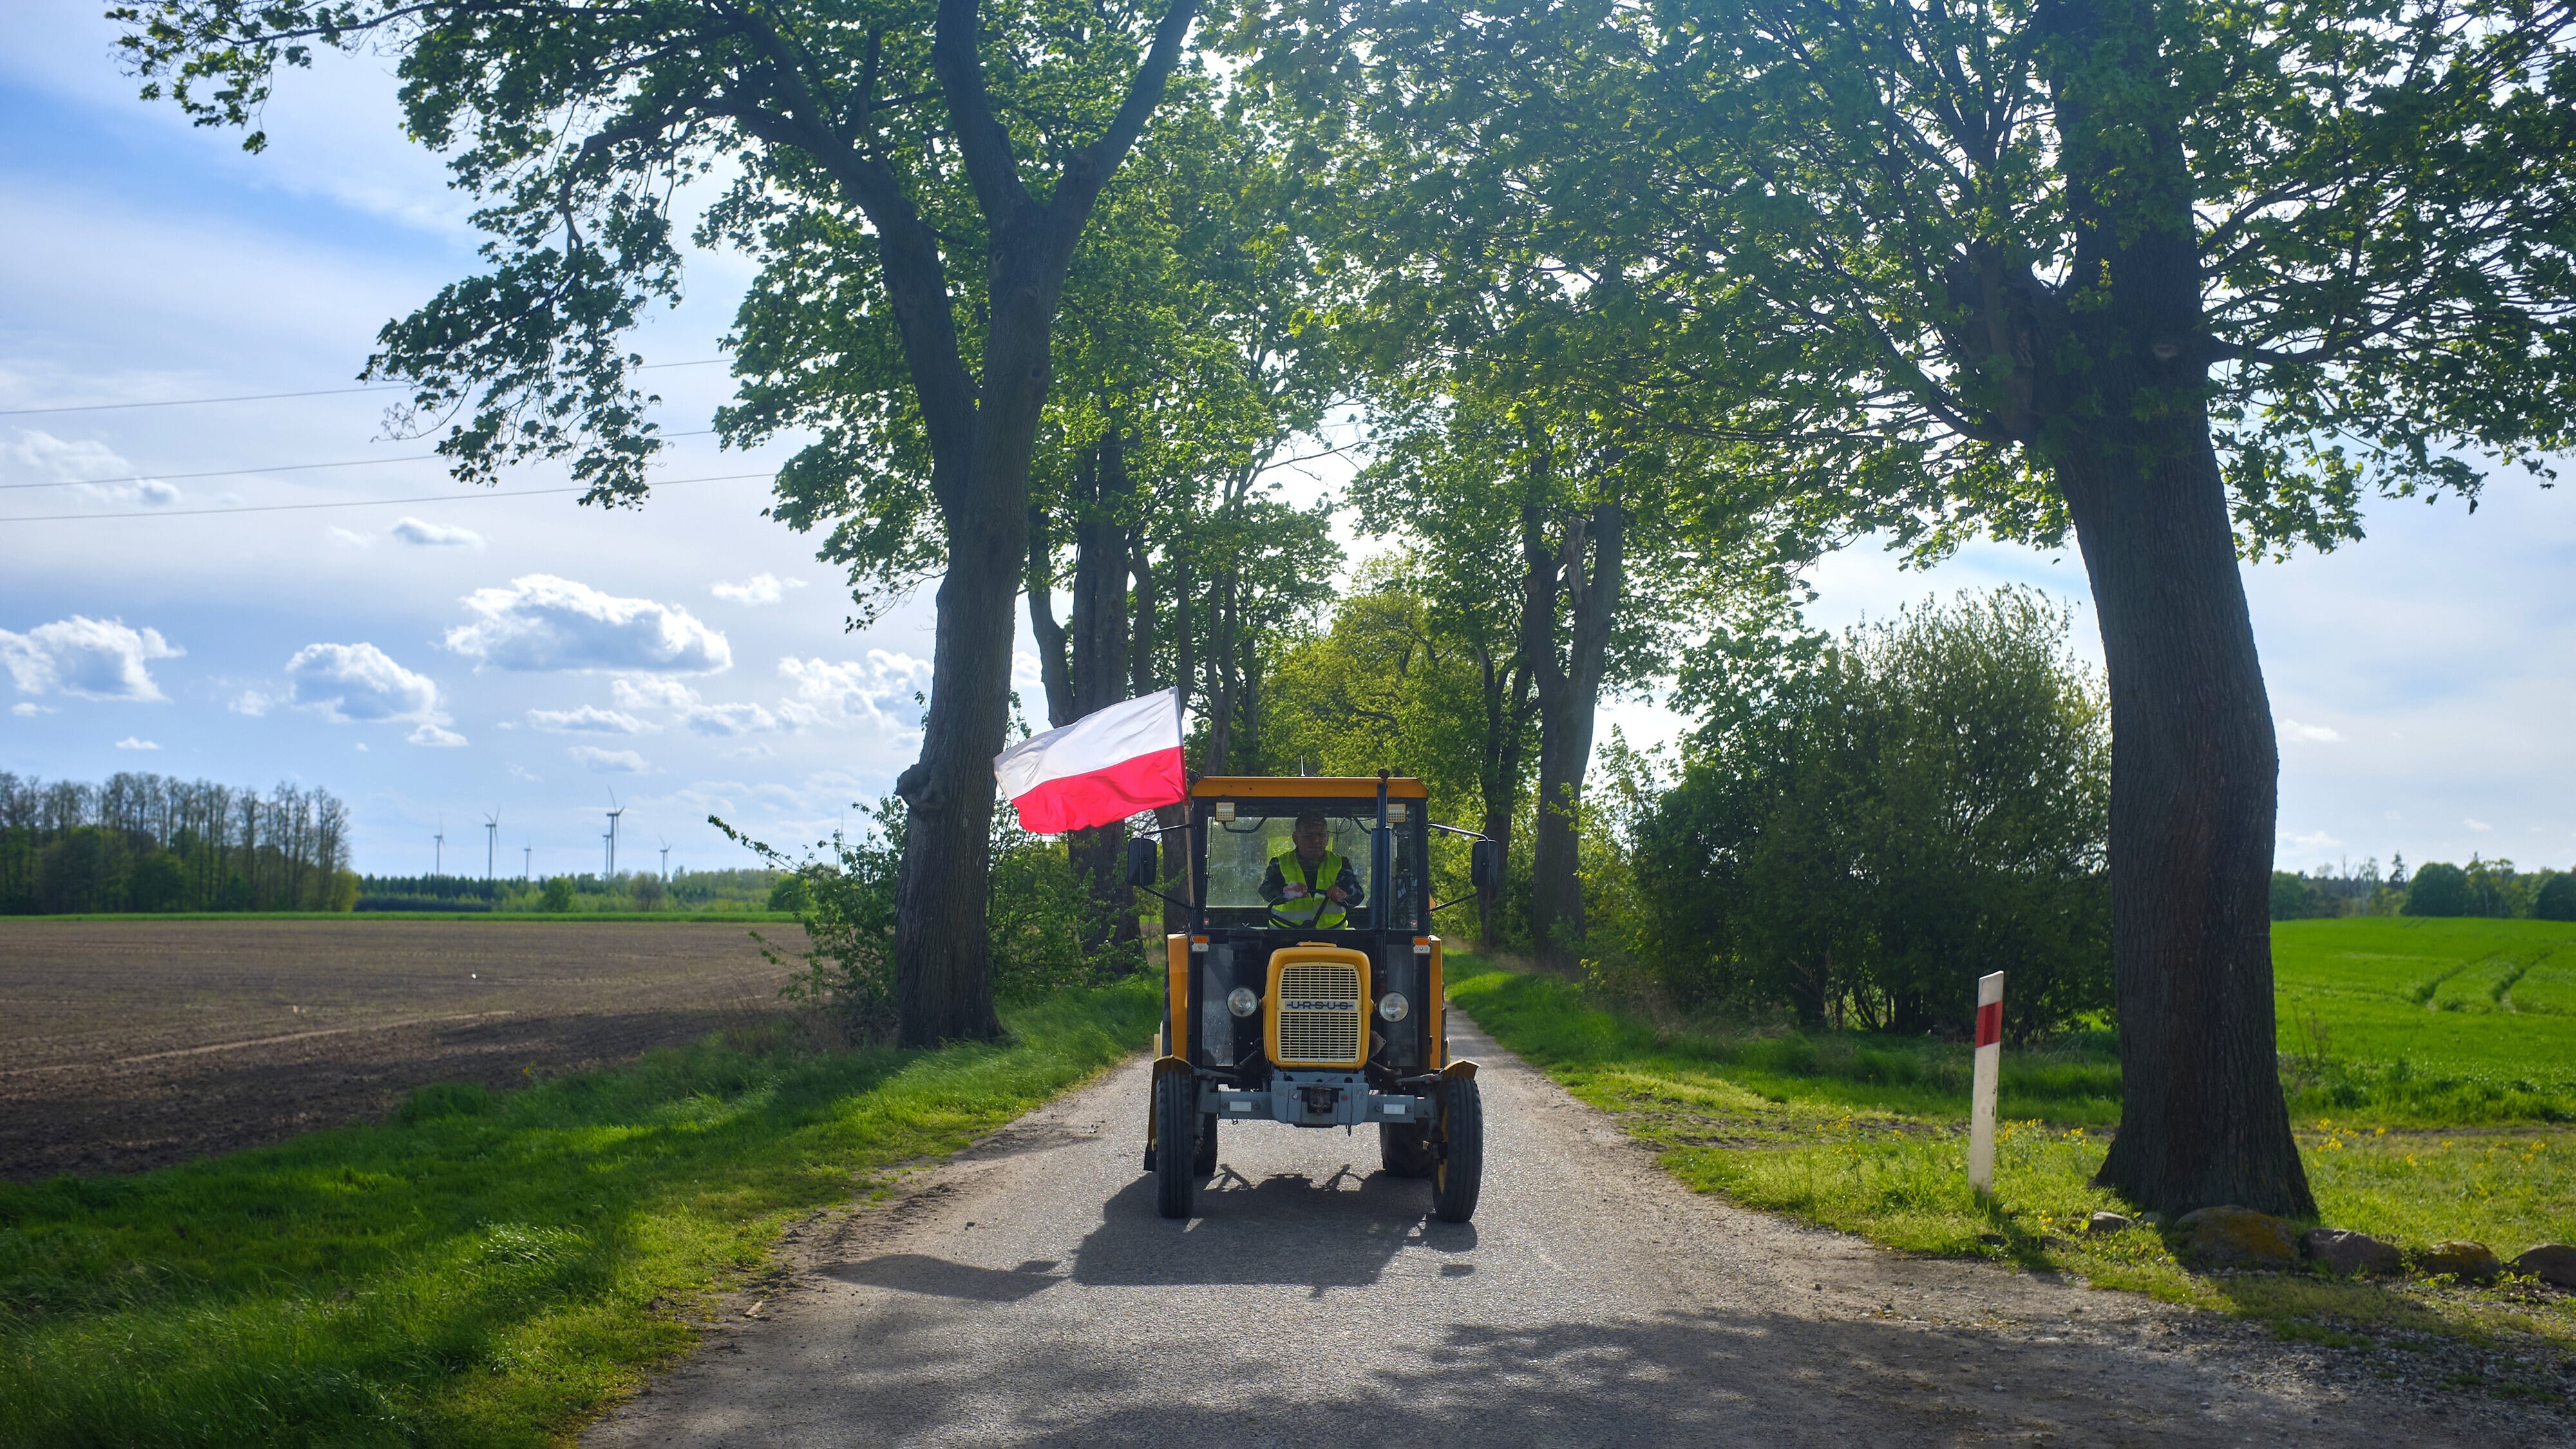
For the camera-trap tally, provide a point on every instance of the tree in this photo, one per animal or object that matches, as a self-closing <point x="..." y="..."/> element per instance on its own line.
<point x="2438" y="890"/>
<point x="2556" y="898"/>
<point x="871" y="130"/>
<point x="2179" y="278"/>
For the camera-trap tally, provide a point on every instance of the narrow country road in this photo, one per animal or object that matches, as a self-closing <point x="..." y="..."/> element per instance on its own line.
<point x="1027" y="1294"/>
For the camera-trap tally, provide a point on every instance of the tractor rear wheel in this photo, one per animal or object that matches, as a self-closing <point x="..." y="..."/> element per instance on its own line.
<point x="1405" y="1148"/>
<point x="1458" y="1177"/>
<point x="1176" y="1128"/>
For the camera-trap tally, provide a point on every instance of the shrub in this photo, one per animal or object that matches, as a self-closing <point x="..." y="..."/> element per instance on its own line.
<point x="558" y="895"/>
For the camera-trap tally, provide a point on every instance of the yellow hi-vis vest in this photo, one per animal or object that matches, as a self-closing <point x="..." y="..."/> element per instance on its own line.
<point x="1313" y="908"/>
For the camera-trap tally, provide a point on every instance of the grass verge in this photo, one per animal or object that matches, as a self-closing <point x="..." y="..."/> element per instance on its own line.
<point x="1868" y="1136"/>
<point x="484" y="1270"/>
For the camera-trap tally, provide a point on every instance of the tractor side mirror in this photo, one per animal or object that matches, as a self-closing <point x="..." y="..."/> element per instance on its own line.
<point x="1485" y="865"/>
<point x="1141" y="871"/>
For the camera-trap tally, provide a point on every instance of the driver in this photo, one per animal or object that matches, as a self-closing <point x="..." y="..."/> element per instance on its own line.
<point x="1307" y="883"/>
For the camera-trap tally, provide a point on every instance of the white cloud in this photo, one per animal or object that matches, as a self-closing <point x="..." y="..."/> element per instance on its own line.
<point x="2314" y="840"/>
<point x="2294" y="733"/>
<point x="28" y="709"/>
<point x="589" y="719"/>
<point x="43" y="458"/>
<point x="131" y="743"/>
<point x="541" y="622"/>
<point x="252" y="702"/>
<point x="353" y="539"/>
<point x="759" y="589"/>
<point x="608" y="762"/>
<point x="878" y="693"/>
<point x="650" y="693"/>
<point x="352" y="683"/>
<point x="2479" y="825"/>
<point x="434" y="535"/>
<point x="86" y="658"/>
<point x="730" y="719"/>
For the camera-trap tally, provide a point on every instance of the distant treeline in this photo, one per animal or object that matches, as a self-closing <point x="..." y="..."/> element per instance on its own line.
<point x="686" y="890"/>
<point x="151" y="843"/>
<point x="2480" y="888"/>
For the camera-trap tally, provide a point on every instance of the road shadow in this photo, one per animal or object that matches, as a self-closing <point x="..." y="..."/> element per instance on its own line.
<point x="921" y="1273"/>
<point x="1340" y="1231"/>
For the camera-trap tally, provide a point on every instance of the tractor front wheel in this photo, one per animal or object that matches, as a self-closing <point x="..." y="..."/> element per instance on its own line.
<point x="1459" y="1174"/>
<point x="1176" y="1130"/>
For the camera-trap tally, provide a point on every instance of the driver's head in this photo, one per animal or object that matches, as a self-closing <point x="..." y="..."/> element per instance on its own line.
<point x="1310" y="836"/>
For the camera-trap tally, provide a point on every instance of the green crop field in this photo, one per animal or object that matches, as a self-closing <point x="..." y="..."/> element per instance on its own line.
<point x="2430" y="1021"/>
<point x="2429" y="1071"/>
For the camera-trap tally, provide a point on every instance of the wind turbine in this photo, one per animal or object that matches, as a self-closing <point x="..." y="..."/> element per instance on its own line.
<point x="438" y="855"/>
<point x="491" y="841"/>
<point x="614" y="810"/>
<point x="527" y="863"/>
<point x="666" y="858"/>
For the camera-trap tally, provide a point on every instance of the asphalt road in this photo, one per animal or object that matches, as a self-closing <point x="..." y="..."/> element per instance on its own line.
<point x="1027" y="1294"/>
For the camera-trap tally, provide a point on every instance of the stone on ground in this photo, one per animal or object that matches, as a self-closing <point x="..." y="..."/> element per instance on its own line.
<point x="2469" y="1262"/>
<point x="2341" y="1250"/>
<point x="2107" y="1223"/>
<point x="2551" y="1263"/>
<point x="2236" y="1237"/>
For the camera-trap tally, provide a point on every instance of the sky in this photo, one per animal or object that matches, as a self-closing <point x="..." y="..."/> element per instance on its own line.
<point x="436" y="660"/>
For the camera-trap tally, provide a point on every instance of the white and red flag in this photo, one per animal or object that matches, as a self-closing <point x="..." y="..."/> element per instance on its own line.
<point x="1101" y="768"/>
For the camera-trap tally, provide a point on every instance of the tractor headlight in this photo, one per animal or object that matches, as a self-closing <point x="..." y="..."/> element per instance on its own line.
<point x="1393" y="1006"/>
<point x="1243" y="1001"/>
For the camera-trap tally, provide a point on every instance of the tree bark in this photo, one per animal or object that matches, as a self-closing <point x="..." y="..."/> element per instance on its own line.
<point x="2194" y="763"/>
<point x="1055" y="671"/>
<point x="1101" y="664"/>
<point x="1498" y="777"/>
<point x="1569" y="697"/>
<point x="981" y="435"/>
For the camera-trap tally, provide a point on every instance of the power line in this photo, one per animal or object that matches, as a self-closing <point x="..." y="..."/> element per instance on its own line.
<point x="363" y="502"/>
<point x="279" y="468"/>
<point x="189" y="402"/>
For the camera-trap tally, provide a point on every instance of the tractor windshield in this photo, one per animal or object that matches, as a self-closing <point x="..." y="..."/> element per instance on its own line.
<point x="1256" y="874"/>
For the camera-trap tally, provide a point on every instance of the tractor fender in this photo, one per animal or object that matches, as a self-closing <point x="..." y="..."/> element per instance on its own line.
<point x="1163" y="1067"/>
<point x="1459" y="1069"/>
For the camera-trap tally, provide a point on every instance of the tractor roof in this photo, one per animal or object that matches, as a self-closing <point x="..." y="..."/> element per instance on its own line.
<point x="1303" y="787"/>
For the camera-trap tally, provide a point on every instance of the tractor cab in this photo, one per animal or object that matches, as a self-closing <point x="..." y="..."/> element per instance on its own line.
<point x="1307" y="991"/>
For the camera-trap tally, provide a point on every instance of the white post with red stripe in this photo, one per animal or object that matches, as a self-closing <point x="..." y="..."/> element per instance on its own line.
<point x="1981" y="1091"/>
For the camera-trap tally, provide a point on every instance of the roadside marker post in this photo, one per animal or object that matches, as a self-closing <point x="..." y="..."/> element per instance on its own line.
<point x="1981" y="1094"/>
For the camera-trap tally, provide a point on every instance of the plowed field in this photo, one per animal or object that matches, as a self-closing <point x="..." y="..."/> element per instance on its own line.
<point x="127" y="1045"/>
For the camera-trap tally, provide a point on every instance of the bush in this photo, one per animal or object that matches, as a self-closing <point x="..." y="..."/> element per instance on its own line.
<point x="2438" y="890"/>
<point x="558" y="893"/>
<point x="1857" y="842"/>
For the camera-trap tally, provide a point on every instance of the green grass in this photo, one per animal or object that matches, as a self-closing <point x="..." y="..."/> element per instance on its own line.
<point x="1868" y="1135"/>
<point x="725" y="917"/>
<point x="483" y="1270"/>
<point x="2429" y="1022"/>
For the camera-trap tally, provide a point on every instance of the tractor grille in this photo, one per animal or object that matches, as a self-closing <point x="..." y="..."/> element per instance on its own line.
<point x="1320" y="1013"/>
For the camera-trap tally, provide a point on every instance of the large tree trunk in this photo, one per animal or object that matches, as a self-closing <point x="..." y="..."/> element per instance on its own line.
<point x="1498" y="779"/>
<point x="2194" y="773"/>
<point x="943" y="967"/>
<point x="2194" y="765"/>
<point x="1569" y="698"/>
<point x="1101" y="664"/>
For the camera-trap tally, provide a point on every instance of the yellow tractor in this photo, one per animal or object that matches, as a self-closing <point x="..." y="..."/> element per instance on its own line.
<point x="1307" y="989"/>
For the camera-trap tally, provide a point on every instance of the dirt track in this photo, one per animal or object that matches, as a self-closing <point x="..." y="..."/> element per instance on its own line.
<point x="127" y="1045"/>
<point x="1026" y="1294"/>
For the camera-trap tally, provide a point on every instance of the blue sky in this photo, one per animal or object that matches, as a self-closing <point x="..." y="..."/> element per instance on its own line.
<point x="433" y="662"/>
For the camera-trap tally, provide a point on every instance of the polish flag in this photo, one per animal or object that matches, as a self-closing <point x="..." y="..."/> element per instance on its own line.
<point x="1099" y="769"/>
